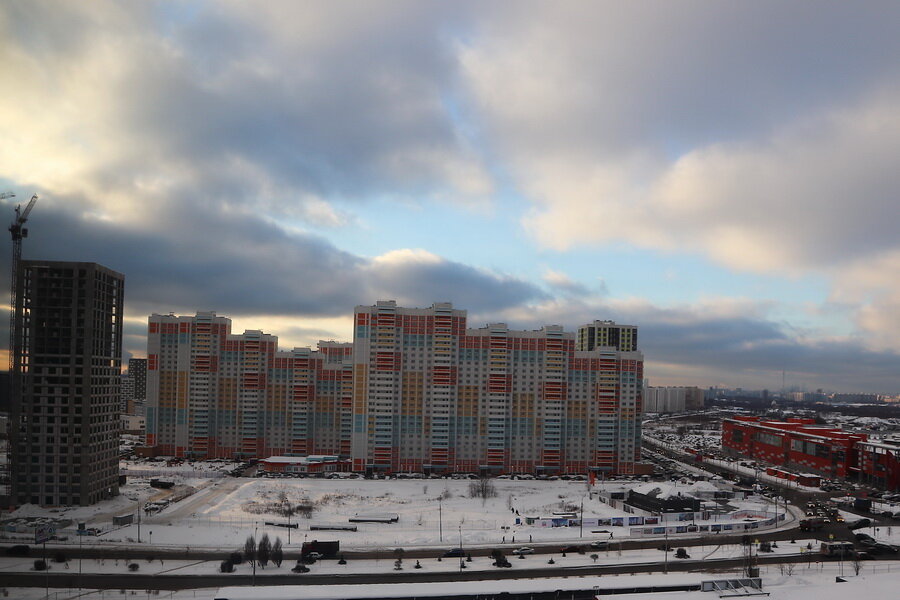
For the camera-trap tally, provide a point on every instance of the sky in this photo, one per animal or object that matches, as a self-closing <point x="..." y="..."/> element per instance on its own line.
<point x="723" y="175"/>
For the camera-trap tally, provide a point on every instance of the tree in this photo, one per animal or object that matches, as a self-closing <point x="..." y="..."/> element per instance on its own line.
<point x="277" y="552"/>
<point x="250" y="549"/>
<point x="264" y="550"/>
<point x="594" y="557"/>
<point x="482" y="488"/>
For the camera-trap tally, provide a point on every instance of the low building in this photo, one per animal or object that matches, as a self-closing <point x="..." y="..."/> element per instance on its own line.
<point x="305" y="465"/>
<point x="662" y="498"/>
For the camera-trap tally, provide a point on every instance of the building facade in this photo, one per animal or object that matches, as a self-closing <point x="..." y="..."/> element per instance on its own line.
<point x="137" y="371"/>
<point x="64" y="420"/>
<point x="798" y="443"/>
<point x="415" y="391"/>
<point x="431" y="395"/>
<point x="607" y="334"/>
<point x="879" y="462"/>
<point x="212" y="394"/>
<point x="672" y="399"/>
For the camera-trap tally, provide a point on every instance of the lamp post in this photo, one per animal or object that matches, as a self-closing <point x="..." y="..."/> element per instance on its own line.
<point x="440" y="518"/>
<point x="666" y="531"/>
<point x="255" y="530"/>
<point x="581" y="520"/>
<point x="460" y="549"/>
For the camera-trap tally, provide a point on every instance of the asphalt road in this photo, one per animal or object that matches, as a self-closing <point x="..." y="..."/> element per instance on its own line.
<point x="140" y="581"/>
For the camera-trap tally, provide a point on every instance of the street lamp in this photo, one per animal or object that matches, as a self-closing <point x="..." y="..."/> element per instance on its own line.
<point x="460" y="549"/>
<point x="581" y="520"/>
<point x="666" y="531"/>
<point x="253" y="558"/>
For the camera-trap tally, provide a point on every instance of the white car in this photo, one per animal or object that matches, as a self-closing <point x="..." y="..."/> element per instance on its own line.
<point x="523" y="550"/>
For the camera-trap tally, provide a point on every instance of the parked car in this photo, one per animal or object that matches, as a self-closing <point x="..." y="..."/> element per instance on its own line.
<point x="454" y="552"/>
<point x="523" y="550"/>
<point x="578" y="549"/>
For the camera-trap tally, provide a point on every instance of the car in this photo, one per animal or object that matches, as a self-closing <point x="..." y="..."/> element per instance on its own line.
<point x="313" y="555"/>
<point x="859" y="524"/>
<point x="454" y="552"/>
<point x="600" y="545"/>
<point x="523" y="550"/>
<point x="577" y="549"/>
<point x="882" y="548"/>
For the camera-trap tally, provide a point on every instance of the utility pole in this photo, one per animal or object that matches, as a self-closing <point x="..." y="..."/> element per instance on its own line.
<point x="441" y="518"/>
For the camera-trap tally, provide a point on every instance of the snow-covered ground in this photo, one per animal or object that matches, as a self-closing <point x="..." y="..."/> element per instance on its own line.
<point x="225" y="511"/>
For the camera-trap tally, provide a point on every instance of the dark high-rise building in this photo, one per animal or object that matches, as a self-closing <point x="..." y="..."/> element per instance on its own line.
<point x="67" y="349"/>
<point x="137" y="370"/>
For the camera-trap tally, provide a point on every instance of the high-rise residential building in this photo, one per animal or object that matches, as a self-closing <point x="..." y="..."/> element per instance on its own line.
<point x="416" y="391"/>
<point x="214" y="394"/>
<point x="126" y="394"/>
<point x="607" y="334"/>
<point x="432" y="395"/>
<point x="137" y="370"/>
<point x="64" y="419"/>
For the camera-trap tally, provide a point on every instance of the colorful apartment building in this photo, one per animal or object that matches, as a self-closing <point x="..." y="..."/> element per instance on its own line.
<point x="797" y="444"/>
<point x="212" y="394"/>
<point x="432" y="395"/>
<point x="416" y="391"/>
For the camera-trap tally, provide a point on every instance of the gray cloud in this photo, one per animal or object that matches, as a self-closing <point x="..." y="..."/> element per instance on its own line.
<point x="240" y="265"/>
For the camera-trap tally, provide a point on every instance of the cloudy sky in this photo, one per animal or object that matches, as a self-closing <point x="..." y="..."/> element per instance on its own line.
<point x="723" y="175"/>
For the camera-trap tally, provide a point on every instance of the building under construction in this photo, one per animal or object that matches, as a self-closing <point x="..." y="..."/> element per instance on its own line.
<point x="64" y="419"/>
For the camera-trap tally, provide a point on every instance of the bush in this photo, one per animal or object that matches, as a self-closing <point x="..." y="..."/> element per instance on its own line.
<point x="134" y="567"/>
<point x="19" y="550"/>
<point x="300" y="568"/>
<point x="342" y="561"/>
<point x="40" y="565"/>
<point x="226" y="567"/>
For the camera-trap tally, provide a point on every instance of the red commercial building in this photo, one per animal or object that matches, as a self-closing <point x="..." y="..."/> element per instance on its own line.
<point x="879" y="463"/>
<point x="797" y="444"/>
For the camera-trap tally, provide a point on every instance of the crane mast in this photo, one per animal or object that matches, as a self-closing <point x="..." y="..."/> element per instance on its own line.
<point x="18" y="233"/>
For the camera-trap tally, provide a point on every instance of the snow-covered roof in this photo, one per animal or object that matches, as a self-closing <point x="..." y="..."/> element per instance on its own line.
<point x="300" y="460"/>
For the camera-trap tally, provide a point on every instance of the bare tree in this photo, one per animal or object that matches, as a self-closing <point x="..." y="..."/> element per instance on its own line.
<point x="482" y="488"/>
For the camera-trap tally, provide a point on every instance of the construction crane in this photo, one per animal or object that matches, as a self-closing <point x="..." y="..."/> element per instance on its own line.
<point x="18" y="234"/>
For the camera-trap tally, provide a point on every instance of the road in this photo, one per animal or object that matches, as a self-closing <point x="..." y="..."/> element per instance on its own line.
<point x="140" y="581"/>
<point x="207" y="497"/>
